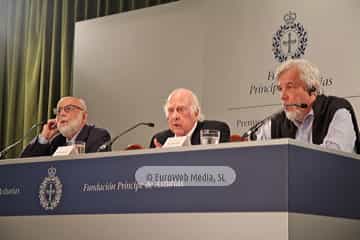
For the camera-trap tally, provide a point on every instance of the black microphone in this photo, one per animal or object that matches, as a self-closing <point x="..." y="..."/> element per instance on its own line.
<point x="311" y="90"/>
<point x="11" y="146"/>
<point x="109" y="143"/>
<point x="300" y="105"/>
<point x="255" y="127"/>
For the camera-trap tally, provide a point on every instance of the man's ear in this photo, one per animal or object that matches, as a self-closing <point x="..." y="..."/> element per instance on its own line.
<point x="196" y="112"/>
<point x="85" y="117"/>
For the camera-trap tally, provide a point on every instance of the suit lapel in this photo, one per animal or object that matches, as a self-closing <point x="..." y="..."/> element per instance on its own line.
<point x="195" y="138"/>
<point x="84" y="133"/>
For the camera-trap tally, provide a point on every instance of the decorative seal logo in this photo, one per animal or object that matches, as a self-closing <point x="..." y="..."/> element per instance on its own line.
<point x="50" y="190"/>
<point x="290" y="40"/>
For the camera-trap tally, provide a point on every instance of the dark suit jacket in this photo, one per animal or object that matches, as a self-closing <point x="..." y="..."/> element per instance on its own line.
<point x="195" y="138"/>
<point x="94" y="137"/>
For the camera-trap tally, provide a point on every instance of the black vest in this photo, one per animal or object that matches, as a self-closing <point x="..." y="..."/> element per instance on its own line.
<point x="324" y="109"/>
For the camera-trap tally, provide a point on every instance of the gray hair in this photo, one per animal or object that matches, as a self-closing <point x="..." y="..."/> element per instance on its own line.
<point x="309" y="73"/>
<point x="83" y="104"/>
<point x="81" y="101"/>
<point x="195" y="105"/>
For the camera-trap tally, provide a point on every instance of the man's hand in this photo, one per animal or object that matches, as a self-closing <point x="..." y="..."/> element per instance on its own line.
<point x="156" y="143"/>
<point x="49" y="129"/>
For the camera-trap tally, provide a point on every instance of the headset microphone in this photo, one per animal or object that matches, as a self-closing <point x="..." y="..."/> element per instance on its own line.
<point x="311" y="90"/>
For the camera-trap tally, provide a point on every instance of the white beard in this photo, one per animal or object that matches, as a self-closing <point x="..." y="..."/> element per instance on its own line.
<point x="72" y="127"/>
<point x="294" y="116"/>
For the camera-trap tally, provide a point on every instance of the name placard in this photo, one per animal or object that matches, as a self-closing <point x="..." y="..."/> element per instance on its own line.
<point x="175" y="142"/>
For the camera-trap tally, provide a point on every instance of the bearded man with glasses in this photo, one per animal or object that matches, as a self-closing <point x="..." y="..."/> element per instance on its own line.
<point x="70" y="125"/>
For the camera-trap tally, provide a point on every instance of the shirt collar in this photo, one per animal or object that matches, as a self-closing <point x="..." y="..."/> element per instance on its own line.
<point x="190" y="133"/>
<point x="308" y="117"/>
<point x="72" y="140"/>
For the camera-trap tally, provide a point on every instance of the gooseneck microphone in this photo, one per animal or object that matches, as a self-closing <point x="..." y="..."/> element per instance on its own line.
<point x="13" y="145"/>
<point x="109" y="143"/>
<point x="255" y="127"/>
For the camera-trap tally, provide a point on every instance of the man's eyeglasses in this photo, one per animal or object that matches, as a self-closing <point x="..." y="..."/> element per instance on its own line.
<point x="67" y="109"/>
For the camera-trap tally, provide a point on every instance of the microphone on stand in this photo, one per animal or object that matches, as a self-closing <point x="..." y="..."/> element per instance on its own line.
<point x="255" y="127"/>
<point x="109" y="143"/>
<point x="11" y="146"/>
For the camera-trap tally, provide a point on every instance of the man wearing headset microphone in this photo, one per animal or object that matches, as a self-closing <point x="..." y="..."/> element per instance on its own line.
<point x="307" y="115"/>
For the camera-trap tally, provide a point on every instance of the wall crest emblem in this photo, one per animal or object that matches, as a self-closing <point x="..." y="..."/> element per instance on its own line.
<point x="291" y="40"/>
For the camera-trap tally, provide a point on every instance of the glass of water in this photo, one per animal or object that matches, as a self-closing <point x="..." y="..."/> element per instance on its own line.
<point x="79" y="146"/>
<point x="209" y="136"/>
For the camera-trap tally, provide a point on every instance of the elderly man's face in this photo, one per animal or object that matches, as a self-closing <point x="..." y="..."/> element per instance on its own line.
<point x="294" y="91"/>
<point x="181" y="118"/>
<point x="70" y="117"/>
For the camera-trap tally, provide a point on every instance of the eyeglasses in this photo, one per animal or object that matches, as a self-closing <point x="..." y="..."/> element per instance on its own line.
<point x="67" y="109"/>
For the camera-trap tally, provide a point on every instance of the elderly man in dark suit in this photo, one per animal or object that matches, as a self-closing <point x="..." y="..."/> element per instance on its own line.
<point x="70" y="125"/>
<point x="184" y="117"/>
